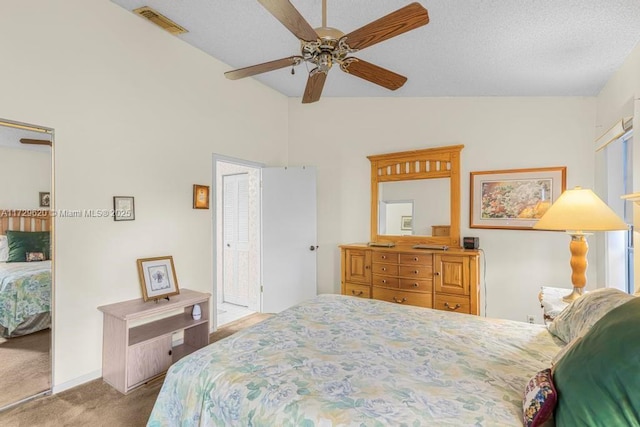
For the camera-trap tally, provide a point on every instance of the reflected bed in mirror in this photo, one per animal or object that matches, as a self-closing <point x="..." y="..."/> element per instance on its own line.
<point x="26" y="278"/>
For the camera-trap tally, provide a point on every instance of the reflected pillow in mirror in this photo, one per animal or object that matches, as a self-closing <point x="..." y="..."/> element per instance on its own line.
<point x="21" y="242"/>
<point x="579" y="316"/>
<point x="4" y="248"/>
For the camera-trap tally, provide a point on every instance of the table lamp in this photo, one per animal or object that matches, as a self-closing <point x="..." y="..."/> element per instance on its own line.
<point x="577" y="211"/>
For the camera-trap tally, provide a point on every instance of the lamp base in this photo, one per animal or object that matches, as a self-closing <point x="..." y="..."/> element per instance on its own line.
<point x="574" y="295"/>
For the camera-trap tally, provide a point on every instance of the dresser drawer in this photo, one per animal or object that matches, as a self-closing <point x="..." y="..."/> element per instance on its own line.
<point x="403" y="297"/>
<point x="388" y="257"/>
<point x="389" y="282"/>
<point x="385" y="269"/>
<point x="422" y="259"/>
<point x="452" y="303"/>
<point x="417" y="271"/>
<point x="422" y="285"/>
<point x="354" y="290"/>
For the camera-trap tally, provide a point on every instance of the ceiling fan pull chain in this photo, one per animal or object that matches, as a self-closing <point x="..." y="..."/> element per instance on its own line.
<point x="324" y="13"/>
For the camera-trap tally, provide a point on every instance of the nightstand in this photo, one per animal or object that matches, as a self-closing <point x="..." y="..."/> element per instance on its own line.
<point x="551" y="302"/>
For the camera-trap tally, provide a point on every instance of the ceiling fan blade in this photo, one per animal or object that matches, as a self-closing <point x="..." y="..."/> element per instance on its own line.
<point x="373" y="73"/>
<point x="263" y="68"/>
<point x="402" y="20"/>
<point x="36" y="141"/>
<point x="315" y="84"/>
<point x="289" y="16"/>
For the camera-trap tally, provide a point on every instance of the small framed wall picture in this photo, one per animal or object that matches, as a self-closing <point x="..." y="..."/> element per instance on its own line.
<point x="200" y="196"/>
<point x="123" y="208"/>
<point x="157" y="278"/>
<point x="45" y="199"/>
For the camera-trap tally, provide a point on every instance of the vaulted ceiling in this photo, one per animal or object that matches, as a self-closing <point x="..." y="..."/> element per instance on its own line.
<point x="469" y="48"/>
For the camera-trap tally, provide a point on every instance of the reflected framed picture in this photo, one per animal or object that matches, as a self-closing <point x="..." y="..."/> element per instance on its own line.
<point x="514" y="199"/>
<point x="200" y="196"/>
<point x="45" y="199"/>
<point x="157" y="278"/>
<point x="406" y="223"/>
<point x="123" y="208"/>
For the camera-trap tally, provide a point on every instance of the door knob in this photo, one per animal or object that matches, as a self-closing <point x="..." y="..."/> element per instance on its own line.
<point x="313" y="248"/>
<point x="228" y="245"/>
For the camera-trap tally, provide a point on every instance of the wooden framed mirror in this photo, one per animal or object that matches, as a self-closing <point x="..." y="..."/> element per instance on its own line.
<point x="415" y="196"/>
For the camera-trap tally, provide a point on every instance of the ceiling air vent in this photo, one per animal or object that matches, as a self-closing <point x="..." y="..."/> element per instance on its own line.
<point x="160" y="20"/>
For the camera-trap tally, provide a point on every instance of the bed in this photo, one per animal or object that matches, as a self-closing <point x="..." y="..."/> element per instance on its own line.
<point x="338" y="360"/>
<point x="25" y="287"/>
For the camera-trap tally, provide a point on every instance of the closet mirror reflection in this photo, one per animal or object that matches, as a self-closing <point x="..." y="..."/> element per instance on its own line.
<point x="26" y="277"/>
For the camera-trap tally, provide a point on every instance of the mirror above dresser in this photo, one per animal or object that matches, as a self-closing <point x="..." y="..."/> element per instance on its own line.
<point x="415" y="196"/>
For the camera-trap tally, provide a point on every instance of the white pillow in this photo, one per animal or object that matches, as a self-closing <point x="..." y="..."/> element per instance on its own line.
<point x="4" y="248"/>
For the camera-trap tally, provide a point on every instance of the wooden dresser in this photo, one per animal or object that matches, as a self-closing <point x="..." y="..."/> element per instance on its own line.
<point x="445" y="280"/>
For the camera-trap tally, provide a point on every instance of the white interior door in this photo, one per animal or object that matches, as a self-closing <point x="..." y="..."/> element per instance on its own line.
<point x="235" y="221"/>
<point x="289" y="236"/>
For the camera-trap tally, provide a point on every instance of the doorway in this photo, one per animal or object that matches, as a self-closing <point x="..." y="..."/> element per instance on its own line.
<point x="237" y="228"/>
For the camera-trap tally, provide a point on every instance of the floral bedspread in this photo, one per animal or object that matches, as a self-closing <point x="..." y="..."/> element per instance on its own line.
<point x="25" y="290"/>
<point x="344" y="361"/>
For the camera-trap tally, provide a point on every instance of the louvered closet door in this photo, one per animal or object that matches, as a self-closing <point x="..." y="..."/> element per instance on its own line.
<point x="235" y="222"/>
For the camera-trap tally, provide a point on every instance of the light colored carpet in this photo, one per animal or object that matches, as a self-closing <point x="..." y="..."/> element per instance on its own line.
<point x="98" y="404"/>
<point x="25" y="366"/>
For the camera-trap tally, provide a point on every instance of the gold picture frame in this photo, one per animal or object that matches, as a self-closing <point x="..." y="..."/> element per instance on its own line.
<point x="158" y="278"/>
<point x="200" y="196"/>
<point x="514" y="199"/>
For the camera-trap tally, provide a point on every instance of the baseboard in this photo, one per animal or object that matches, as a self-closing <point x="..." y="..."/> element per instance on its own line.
<point x="77" y="381"/>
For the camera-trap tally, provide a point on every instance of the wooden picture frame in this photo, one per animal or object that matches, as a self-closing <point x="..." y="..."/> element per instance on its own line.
<point x="514" y="199"/>
<point x="200" y="196"/>
<point x="123" y="208"/>
<point x="157" y="278"/>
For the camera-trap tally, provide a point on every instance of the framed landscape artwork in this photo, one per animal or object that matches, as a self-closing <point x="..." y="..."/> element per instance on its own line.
<point x="514" y="199"/>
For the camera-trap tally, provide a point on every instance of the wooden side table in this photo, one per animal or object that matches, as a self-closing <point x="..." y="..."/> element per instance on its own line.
<point x="551" y="302"/>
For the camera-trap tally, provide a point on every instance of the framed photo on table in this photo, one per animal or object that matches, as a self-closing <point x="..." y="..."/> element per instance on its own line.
<point x="157" y="277"/>
<point x="514" y="199"/>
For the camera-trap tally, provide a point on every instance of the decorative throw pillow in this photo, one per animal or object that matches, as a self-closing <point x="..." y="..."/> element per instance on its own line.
<point x="4" y="248"/>
<point x="539" y="399"/>
<point x="579" y="316"/>
<point x="597" y="379"/>
<point x="35" y="256"/>
<point x="21" y="242"/>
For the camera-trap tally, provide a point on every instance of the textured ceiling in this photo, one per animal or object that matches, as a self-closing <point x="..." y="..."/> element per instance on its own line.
<point x="469" y="48"/>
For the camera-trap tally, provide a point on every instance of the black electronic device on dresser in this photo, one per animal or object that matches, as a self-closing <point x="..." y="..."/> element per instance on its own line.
<point x="471" y="242"/>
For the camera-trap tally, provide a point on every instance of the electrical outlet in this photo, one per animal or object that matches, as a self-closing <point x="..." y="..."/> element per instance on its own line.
<point x="531" y="318"/>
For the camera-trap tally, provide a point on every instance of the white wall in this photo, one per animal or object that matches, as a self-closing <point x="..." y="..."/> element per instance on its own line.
<point x="23" y="174"/>
<point x="498" y="133"/>
<point x="137" y="112"/>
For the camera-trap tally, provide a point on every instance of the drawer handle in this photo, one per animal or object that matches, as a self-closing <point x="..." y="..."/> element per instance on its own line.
<point x="366" y="267"/>
<point x="415" y="285"/>
<point x="170" y="352"/>
<point x="399" y="301"/>
<point x="416" y="258"/>
<point x="416" y="271"/>
<point x="437" y="273"/>
<point x="384" y="257"/>
<point x="457" y="306"/>
<point x="384" y="268"/>
<point x="356" y="294"/>
<point x="384" y="280"/>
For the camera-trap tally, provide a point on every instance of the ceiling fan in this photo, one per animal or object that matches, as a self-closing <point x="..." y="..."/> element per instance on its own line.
<point x="325" y="46"/>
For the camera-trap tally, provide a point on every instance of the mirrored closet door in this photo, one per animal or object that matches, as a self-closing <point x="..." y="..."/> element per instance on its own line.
<point x="26" y="259"/>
